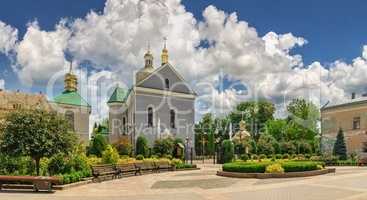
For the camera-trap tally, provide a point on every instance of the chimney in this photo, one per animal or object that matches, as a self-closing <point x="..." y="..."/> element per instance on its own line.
<point x="353" y="95"/>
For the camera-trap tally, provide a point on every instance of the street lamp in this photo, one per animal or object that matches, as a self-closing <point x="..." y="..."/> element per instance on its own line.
<point x="187" y="149"/>
<point x="203" y="141"/>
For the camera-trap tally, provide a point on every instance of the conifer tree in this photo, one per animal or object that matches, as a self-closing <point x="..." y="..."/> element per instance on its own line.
<point x="340" y="148"/>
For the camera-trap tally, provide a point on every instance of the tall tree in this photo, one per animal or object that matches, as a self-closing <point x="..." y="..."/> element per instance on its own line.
<point x="255" y="113"/>
<point x="340" y="149"/>
<point x="37" y="134"/>
<point x="304" y="116"/>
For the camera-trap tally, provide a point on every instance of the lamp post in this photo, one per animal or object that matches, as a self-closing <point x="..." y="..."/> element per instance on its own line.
<point x="187" y="149"/>
<point x="203" y="141"/>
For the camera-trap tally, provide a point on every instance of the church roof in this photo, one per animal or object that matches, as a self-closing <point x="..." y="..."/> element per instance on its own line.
<point x="118" y="96"/>
<point x="71" y="98"/>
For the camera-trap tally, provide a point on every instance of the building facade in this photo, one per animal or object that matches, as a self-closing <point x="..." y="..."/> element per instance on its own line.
<point x="75" y="109"/>
<point x="159" y="104"/>
<point x="10" y="101"/>
<point x="351" y="117"/>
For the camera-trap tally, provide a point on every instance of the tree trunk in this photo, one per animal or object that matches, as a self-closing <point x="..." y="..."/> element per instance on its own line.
<point x="37" y="166"/>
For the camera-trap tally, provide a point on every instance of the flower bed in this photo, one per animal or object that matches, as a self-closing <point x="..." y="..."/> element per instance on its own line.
<point x="260" y="167"/>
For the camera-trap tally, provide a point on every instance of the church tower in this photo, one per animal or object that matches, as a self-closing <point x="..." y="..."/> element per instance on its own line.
<point x="70" y="82"/>
<point x="164" y="55"/>
<point x="148" y="67"/>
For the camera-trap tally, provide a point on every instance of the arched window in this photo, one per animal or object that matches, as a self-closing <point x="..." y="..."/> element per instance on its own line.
<point x="173" y="118"/>
<point x="166" y="81"/>
<point x="69" y="115"/>
<point x="150" y="117"/>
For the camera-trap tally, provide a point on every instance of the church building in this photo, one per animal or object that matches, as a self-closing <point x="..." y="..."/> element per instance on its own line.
<point x="75" y="109"/>
<point x="159" y="104"/>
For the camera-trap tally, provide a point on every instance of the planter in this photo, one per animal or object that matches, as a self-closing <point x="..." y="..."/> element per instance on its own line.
<point x="187" y="169"/>
<point x="276" y="175"/>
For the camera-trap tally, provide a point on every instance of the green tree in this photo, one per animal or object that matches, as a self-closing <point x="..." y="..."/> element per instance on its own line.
<point x="266" y="144"/>
<point x="277" y="128"/>
<point x="36" y="133"/>
<point x="163" y="146"/>
<point x="228" y="151"/>
<point x="255" y="113"/>
<point x="340" y="149"/>
<point x="304" y="117"/>
<point x="142" y="146"/>
<point x="97" y="145"/>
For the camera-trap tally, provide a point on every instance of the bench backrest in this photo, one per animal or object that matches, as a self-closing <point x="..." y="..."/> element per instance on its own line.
<point x="103" y="168"/>
<point x="54" y="180"/>
<point x="129" y="166"/>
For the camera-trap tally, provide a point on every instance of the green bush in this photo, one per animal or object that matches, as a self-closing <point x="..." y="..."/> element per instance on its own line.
<point x="286" y="156"/>
<point x="10" y="165"/>
<point x="260" y="167"/>
<point x="97" y="145"/>
<point x="254" y="157"/>
<point x="244" y="157"/>
<point x="58" y="165"/>
<point x="139" y="157"/>
<point x="300" y="166"/>
<point x="185" y="166"/>
<point x="110" y="155"/>
<point x="262" y="156"/>
<point x="142" y="146"/>
<point x="228" y="151"/>
<point x="278" y="156"/>
<point x="248" y="167"/>
<point x="265" y="145"/>
<point x="163" y="147"/>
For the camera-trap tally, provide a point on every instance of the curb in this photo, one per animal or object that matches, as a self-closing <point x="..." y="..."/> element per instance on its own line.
<point x="71" y="185"/>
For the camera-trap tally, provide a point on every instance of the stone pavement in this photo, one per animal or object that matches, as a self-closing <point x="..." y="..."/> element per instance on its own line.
<point x="349" y="183"/>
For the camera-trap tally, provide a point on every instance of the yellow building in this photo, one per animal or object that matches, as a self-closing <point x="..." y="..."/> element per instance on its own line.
<point x="351" y="118"/>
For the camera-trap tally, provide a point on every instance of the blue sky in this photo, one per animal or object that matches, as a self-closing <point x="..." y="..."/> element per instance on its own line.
<point x="334" y="29"/>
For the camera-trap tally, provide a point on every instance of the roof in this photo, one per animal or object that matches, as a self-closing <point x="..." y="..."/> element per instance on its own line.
<point x="71" y="98"/>
<point x="358" y="101"/>
<point x="119" y="95"/>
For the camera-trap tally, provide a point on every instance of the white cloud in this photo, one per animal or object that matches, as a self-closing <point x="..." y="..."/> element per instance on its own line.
<point x="115" y="40"/>
<point x="8" y="38"/>
<point x="2" y="84"/>
<point x="40" y="54"/>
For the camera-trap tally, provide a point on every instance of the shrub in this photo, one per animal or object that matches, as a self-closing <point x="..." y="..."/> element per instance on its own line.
<point x="244" y="157"/>
<point x="228" y="151"/>
<point x="167" y="156"/>
<point x="142" y="146"/>
<point x="94" y="160"/>
<point x="139" y="157"/>
<point x="110" y="155"/>
<point x="265" y="145"/>
<point x="315" y="158"/>
<point x="288" y="147"/>
<point x="254" y="157"/>
<point x="251" y="167"/>
<point x="10" y="165"/>
<point x="176" y="162"/>
<point x="58" y="165"/>
<point x="304" y="147"/>
<point x="262" y="156"/>
<point x="278" y="156"/>
<point x="274" y="168"/>
<point x="260" y="167"/>
<point x="163" y="146"/>
<point x="185" y="166"/>
<point x="124" y="147"/>
<point x="300" y="166"/>
<point x="286" y="156"/>
<point x="97" y="145"/>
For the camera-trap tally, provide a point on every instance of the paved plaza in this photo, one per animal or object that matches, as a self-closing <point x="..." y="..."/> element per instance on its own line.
<point x="349" y="183"/>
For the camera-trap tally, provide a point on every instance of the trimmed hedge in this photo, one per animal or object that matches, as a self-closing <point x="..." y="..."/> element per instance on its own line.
<point x="260" y="167"/>
<point x="185" y="166"/>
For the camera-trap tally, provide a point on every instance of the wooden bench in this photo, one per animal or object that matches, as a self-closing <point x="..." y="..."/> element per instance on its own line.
<point x="145" y="167"/>
<point x="100" y="171"/>
<point x="126" y="169"/>
<point x="40" y="183"/>
<point x="163" y="165"/>
<point x="362" y="161"/>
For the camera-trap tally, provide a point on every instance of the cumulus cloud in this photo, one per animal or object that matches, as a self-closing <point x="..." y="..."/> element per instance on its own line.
<point x="40" y="54"/>
<point x="8" y="38"/>
<point x="115" y="40"/>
